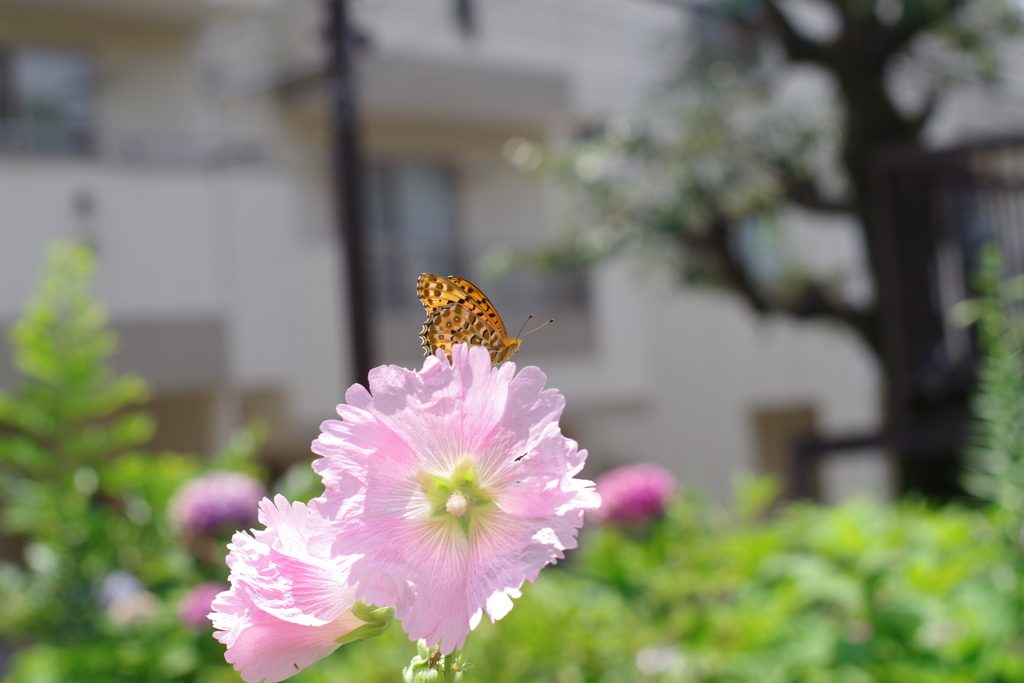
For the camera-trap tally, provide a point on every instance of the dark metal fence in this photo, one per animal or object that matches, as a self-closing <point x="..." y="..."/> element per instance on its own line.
<point x="933" y="211"/>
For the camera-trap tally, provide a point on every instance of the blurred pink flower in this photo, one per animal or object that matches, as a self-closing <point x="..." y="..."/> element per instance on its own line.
<point x="450" y="487"/>
<point x="289" y="602"/>
<point x="634" y="493"/>
<point x="215" y="501"/>
<point x="194" y="608"/>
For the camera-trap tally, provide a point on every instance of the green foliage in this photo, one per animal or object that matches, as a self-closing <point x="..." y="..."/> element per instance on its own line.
<point x="864" y="592"/>
<point x="859" y="592"/>
<point x="83" y="499"/>
<point x="998" y="458"/>
<point x="899" y="593"/>
<point x="768" y="126"/>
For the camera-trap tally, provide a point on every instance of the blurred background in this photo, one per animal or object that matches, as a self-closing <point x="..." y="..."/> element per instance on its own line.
<point x="190" y="143"/>
<point x="756" y="223"/>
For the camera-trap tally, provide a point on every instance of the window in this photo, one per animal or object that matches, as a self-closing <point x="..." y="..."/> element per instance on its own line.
<point x="46" y="101"/>
<point x="777" y="430"/>
<point x="411" y="229"/>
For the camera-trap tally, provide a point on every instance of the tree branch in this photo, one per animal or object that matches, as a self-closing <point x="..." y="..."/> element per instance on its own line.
<point x="734" y="272"/>
<point x="804" y="192"/>
<point x="894" y="38"/>
<point x="798" y="46"/>
<point x="812" y="303"/>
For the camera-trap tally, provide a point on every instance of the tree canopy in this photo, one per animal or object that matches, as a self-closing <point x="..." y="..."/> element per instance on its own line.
<point x="777" y="106"/>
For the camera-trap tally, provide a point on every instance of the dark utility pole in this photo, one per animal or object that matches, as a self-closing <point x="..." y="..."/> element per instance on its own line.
<point x="347" y="182"/>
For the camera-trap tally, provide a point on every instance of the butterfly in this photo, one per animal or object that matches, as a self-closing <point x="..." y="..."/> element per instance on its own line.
<point x="459" y="313"/>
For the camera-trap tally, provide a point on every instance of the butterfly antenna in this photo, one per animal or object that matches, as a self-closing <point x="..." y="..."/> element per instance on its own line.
<point x="520" y="333"/>
<point x="538" y="327"/>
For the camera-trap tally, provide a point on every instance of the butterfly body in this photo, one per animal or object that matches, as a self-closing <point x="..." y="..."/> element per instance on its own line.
<point x="459" y="313"/>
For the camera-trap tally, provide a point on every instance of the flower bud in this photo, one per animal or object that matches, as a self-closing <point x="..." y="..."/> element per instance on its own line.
<point x="378" y="620"/>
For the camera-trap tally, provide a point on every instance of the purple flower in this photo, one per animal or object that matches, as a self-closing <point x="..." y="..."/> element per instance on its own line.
<point x="119" y="586"/>
<point x="634" y="493"/>
<point x="216" y="501"/>
<point x="125" y="599"/>
<point x="194" y="608"/>
<point x="447" y="488"/>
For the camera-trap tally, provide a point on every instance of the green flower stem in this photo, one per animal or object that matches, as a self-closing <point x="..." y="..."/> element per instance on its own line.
<point x="459" y="658"/>
<point x="430" y="666"/>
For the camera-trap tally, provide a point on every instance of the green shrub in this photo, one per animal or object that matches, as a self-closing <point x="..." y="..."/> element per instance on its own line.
<point x="85" y="500"/>
<point x="898" y="593"/>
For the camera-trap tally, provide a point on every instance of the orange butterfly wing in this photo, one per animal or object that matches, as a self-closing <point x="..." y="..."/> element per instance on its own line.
<point x="482" y="302"/>
<point x="459" y="313"/>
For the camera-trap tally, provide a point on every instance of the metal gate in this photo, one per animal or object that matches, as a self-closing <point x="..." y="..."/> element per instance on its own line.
<point x="932" y="213"/>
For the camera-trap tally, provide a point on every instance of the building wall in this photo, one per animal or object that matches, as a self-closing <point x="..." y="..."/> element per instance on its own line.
<point x="147" y="78"/>
<point x="681" y="375"/>
<point x="206" y="255"/>
<point x="650" y="372"/>
<point x="611" y="51"/>
<point x="182" y="248"/>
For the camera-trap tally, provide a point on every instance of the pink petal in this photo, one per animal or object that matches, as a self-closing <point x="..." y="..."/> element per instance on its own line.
<point x="282" y="576"/>
<point x="262" y="646"/>
<point x="288" y="602"/>
<point x="413" y="425"/>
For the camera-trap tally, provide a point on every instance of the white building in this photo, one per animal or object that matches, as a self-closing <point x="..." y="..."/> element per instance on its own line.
<point x="189" y="141"/>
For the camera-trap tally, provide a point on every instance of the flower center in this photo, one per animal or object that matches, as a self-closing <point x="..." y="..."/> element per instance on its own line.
<point x="457" y="504"/>
<point x="458" y="499"/>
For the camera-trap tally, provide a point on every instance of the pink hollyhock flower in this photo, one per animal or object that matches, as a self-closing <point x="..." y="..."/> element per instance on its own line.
<point x="634" y="493"/>
<point x="215" y="501"/>
<point x="195" y="605"/>
<point x="450" y="487"/>
<point x="288" y="605"/>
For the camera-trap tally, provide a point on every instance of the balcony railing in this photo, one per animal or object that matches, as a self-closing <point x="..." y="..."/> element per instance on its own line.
<point x="176" y="10"/>
<point x="45" y="140"/>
